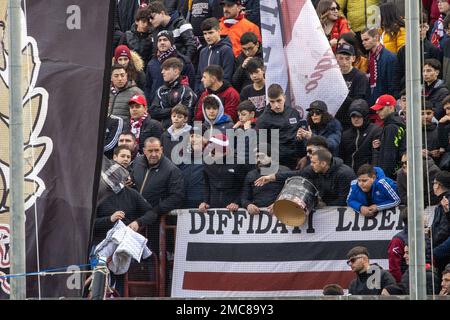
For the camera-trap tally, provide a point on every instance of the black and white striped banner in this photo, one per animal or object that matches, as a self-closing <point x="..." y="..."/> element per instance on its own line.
<point x="223" y="254"/>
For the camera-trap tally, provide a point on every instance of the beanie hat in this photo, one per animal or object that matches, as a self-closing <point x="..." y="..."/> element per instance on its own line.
<point x="165" y="33"/>
<point x="122" y="51"/>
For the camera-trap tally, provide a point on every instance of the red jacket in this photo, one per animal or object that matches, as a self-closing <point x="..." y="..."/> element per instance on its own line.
<point x="339" y="27"/>
<point x="228" y="95"/>
<point x="432" y="9"/>
<point x="396" y="251"/>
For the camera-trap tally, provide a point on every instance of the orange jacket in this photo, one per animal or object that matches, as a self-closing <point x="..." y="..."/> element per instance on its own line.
<point x="236" y="30"/>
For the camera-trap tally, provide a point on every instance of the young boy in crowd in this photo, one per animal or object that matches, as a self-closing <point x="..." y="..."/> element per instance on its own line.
<point x="256" y="92"/>
<point x="247" y="120"/>
<point x="372" y="191"/>
<point x="178" y="131"/>
<point x="246" y="112"/>
<point x="213" y="113"/>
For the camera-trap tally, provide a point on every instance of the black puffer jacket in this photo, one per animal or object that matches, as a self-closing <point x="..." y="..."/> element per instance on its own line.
<point x="141" y="42"/>
<point x="183" y="34"/>
<point x="356" y="143"/>
<point x="333" y="186"/>
<point x="161" y="185"/>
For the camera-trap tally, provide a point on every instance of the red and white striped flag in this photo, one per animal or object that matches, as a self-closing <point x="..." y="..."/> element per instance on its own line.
<point x="298" y="55"/>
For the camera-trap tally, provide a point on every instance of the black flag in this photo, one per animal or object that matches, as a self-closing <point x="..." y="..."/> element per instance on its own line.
<point x="66" y="75"/>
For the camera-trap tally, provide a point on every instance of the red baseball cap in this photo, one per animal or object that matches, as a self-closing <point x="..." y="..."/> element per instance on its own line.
<point x="383" y="101"/>
<point x="139" y="99"/>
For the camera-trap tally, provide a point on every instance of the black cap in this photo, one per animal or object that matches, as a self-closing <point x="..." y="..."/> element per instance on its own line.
<point x="318" y="105"/>
<point x="346" y="48"/>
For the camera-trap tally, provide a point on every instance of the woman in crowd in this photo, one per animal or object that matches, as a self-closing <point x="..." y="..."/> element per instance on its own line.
<point x="132" y="62"/>
<point x="333" y="23"/>
<point x="393" y="32"/>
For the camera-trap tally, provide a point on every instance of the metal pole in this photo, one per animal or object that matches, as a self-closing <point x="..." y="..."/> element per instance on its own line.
<point x="18" y="288"/>
<point x="99" y="279"/>
<point x="416" y="238"/>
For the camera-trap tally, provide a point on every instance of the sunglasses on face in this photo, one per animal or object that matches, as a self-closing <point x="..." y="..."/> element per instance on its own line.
<point x="352" y="260"/>
<point x="404" y="163"/>
<point x="315" y="112"/>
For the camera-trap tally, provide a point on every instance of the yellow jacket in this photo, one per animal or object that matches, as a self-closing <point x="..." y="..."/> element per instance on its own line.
<point x="355" y="12"/>
<point x="393" y="44"/>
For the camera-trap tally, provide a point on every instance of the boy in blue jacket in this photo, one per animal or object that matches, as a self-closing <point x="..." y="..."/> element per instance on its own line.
<point x="372" y="191"/>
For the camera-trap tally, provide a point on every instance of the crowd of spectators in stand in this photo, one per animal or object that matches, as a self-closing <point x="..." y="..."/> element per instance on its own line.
<point x="186" y="73"/>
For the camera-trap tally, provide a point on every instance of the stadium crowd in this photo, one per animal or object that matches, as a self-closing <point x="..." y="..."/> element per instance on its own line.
<point x="187" y="74"/>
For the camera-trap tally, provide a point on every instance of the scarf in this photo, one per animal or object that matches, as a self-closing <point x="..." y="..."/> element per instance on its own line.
<point x="231" y="22"/>
<point x="438" y="32"/>
<point x="373" y="70"/>
<point x="136" y="126"/>
<point x="163" y="56"/>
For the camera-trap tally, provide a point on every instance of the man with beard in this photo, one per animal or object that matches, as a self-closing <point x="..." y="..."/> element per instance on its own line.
<point x="234" y="24"/>
<point x="358" y="261"/>
<point x="392" y="143"/>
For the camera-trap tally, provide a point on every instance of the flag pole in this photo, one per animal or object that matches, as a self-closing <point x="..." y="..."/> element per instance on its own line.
<point x="18" y="284"/>
<point x="288" y="92"/>
<point x="416" y="235"/>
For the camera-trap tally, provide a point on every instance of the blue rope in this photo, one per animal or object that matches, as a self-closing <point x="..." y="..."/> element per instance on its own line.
<point x="50" y="270"/>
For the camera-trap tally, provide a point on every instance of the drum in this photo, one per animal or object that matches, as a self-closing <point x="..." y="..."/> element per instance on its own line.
<point x="295" y="201"/>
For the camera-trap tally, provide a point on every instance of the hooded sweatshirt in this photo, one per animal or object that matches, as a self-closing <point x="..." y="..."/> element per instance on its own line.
<point x="230" y="99"/>
<point x="393" y="144"/>
<point x="222" y="122"/>
<point x="356" y="143"/>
